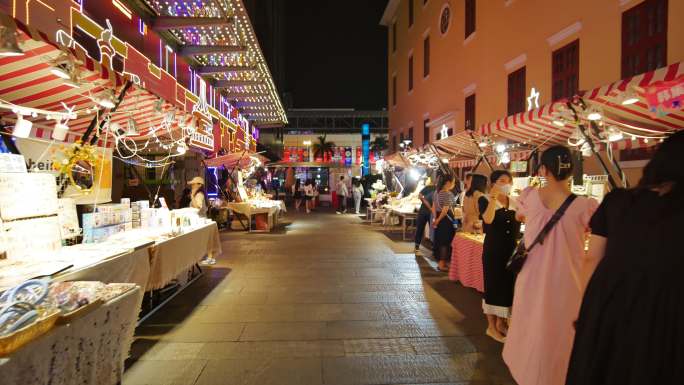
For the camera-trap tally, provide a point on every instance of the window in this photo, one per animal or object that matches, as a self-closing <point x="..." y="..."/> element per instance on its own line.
<point x="516" y="91"/>
<point x="470" y="113"/>
<point x="394" y="37"/>
<point x="644" y="37"/>
<point x="426" y="131"/>
<point x="401" y="138"/>
<point x="410" y="134"/>
<point x="410" y="73"/>
<point x="410" y="13"/>
<point x="469" y="17"/>
<point x="394" y="90"/>
<point x="426" y="56"/>
<point x="565" y="71"/>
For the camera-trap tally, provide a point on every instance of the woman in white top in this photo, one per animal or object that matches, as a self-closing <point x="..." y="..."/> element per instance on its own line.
<point x="197" y="196"/>
<point x="309" y="195"/>
<point x="198" y="202"/>
<point x="357" y="193"/>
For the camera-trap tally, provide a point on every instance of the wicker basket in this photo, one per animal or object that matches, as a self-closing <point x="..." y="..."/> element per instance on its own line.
<point x="12" y="342"/>
<point x="78" y="313"/>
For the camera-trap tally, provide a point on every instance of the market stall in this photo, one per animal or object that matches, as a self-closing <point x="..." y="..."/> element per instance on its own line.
<point x="82" y="346"/>
<point x="247" y="201"/>
<point x="466" y="260"/>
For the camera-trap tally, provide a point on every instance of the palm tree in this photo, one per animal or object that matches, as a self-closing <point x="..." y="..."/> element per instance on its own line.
<point x="379" y="144"/>
<point x="323" y="146"/>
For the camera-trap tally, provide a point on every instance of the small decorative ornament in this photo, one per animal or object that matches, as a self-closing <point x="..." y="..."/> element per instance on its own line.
<point x="444" y="133"/>
<point x="445" y="19"/>
<point x="533" y="99"/>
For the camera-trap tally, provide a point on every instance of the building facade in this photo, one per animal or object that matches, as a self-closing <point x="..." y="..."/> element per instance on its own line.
<point x="457" y="64"/>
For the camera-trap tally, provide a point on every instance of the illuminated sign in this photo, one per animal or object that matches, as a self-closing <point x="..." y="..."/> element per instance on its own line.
<point x="533" y="99"/>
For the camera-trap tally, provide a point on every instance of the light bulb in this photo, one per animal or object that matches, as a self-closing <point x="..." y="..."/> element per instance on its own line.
<point x="60" y="131"/>
<point x="60" y="72"/>
<point x="500" y="148"/>
<point x="22" y="128"/>
<point x="630" y="100"/>
<point x="558" y="123"/>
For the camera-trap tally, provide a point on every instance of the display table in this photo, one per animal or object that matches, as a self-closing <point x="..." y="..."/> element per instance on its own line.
<point x="89" y="350"/>
<point x="108" y="262"/>
<point x="249" y="210"/>
<point x="466" y="260"/>
<point x="131" y="266"/>
<point x="171" y="257"/>
<point x="406" y="218"/>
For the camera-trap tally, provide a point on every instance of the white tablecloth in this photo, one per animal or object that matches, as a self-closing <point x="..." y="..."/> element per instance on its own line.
<point x="130" y="267"/>
<point x="90" y="350"/>
<point x="171" y="257"/>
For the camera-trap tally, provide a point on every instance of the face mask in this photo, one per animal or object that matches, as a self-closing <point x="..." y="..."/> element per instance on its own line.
<point x="506" y="189"/>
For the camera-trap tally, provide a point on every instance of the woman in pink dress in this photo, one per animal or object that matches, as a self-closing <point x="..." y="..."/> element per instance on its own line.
<point x="548" y="292"/>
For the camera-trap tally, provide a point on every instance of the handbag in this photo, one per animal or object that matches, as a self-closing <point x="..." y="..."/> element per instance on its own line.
<point x="519" y="256"/>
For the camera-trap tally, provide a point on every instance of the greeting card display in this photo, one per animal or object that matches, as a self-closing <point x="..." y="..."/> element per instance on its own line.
<point x="27" y="195"/>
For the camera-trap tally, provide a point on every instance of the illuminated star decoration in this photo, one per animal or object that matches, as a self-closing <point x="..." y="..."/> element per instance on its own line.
<point x="444" y="133"/>
<point x="533" y="100"/>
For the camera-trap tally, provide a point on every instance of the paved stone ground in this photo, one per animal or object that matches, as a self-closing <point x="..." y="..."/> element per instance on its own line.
<point x="329" y="300"/>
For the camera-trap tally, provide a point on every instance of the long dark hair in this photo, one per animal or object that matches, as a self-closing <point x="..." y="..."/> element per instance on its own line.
<point x="666" y="166"/>
<point x="298" y="184"/>
<point x="443" y="180"/>
<point x="477" y="183"/>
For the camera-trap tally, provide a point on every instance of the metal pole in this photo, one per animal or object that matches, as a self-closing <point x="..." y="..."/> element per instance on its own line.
<point x="616" y="164"/>
<point x="482" y="154"/>
<point x="588" y="140"/>
<point x="94" y="122"/>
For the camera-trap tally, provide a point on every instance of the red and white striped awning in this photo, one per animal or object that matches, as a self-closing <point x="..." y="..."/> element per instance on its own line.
<point x="463" y="162"/>
<point x="231" y="160"/>
<point x="536" y="127"/>
<point x="458" y="144"/>
<point x="27" y="81"/>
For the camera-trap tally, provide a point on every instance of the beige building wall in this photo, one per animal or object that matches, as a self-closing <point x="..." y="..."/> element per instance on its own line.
<point x="509" y="34"/>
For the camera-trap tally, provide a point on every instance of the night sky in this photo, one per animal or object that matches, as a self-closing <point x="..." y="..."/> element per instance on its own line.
<point x="335" y="54"/>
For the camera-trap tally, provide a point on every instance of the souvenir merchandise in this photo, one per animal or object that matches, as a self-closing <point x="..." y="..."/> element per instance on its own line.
<point x="35" y="237"/>
<point x="68" y="219"/>
<point x="27" y="195"/>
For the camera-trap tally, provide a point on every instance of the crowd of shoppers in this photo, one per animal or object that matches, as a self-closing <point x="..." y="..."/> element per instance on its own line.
<point x="627" y="327"/>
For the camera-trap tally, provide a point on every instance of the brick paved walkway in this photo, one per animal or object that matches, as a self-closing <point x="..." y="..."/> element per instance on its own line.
<point x="329" y="301"/>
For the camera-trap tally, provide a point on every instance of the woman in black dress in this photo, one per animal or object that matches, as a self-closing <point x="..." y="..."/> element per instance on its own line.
<point x="501" y="231"/>
<point x="297" y="193"/>
<point x="631" y="324"/>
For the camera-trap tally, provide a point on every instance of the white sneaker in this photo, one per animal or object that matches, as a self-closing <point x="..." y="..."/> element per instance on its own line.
<point x="338" y="213"/>
<point x="208" y="262"/>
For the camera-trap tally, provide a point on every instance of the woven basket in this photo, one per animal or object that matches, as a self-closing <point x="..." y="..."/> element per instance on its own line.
<point x="12" y="342"/>
<point x="78" y="313"/>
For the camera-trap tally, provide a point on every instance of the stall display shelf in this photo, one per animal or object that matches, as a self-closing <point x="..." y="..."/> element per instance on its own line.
<point x="61" y="357"/>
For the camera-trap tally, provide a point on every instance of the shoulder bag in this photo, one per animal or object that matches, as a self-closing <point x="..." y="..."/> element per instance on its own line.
<point x="517" y="260"/>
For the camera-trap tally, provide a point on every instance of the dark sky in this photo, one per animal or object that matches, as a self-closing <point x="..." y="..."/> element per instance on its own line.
<point x="335" y="54"/>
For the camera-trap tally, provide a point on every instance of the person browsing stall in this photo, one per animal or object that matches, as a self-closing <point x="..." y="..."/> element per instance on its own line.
<point x="501" y="233"/>
<point x="548" y="291"/>
<point x="630" y="328"/>
<point x="443" y="203"/>
<point x="424" y="213"/>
